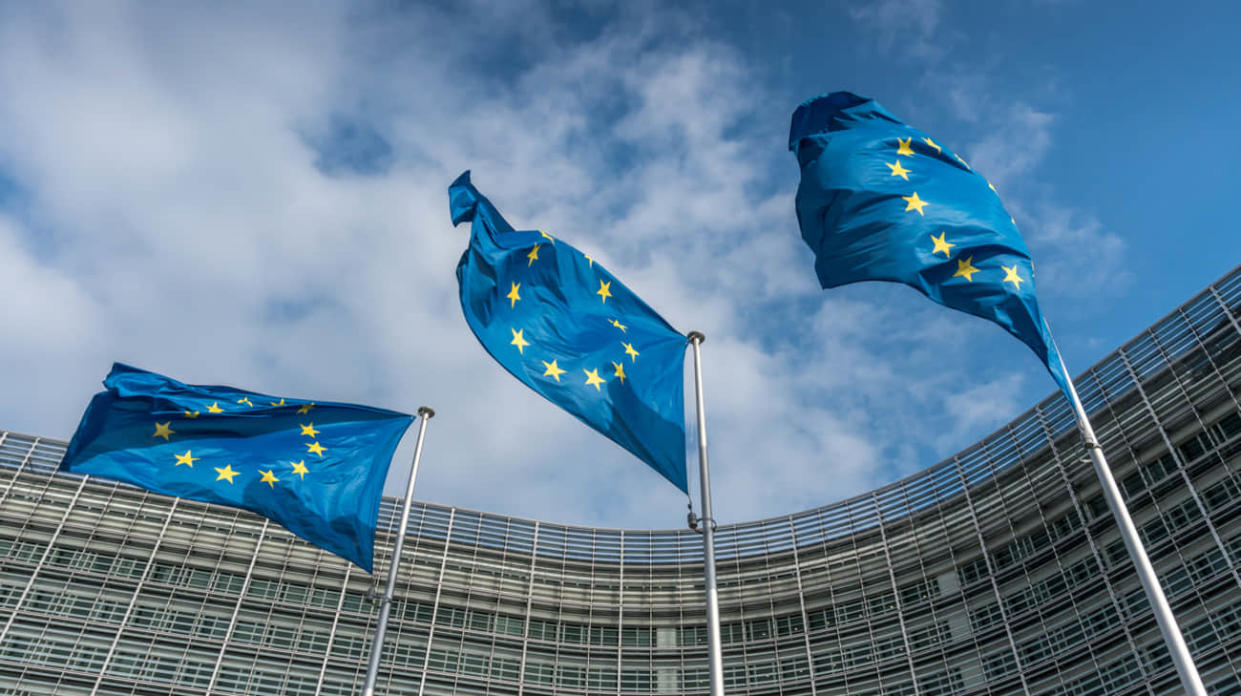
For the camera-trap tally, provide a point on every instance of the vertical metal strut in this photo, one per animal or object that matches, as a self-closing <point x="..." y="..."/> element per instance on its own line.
<point x="1172" y="637"/>
<point x="385" y="605"/>
<point x="708" y="529"/>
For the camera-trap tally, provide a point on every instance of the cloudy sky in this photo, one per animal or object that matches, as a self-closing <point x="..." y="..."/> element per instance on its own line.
<point x="254" y="194"/>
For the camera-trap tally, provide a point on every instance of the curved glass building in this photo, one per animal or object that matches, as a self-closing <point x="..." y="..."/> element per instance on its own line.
<point x="998" y="571"/>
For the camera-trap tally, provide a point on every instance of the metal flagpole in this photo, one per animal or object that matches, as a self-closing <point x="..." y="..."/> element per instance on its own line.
<point x="708" y="529"/>
<point x="372" y="669"/>
<point x="1181" y="657"/>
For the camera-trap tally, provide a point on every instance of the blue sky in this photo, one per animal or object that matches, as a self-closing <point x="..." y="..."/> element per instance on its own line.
<point x="246" y="195"/>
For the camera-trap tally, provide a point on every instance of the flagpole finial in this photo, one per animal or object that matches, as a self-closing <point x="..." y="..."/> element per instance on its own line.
<point x="696" y="336"/>
<point x="426" y="412"/>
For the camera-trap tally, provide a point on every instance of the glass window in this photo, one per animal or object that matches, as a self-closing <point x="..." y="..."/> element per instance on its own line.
<point x="355" y="602"/>
<point x="821" y="619"/>
<point x="693" y="635"/>
<point x="1220" y="494"/>
<point x="199" y="579"/>
<point x="474" y="664"/>
<point x="295" y="593"/>
<point x="639" y="636"/>
<point x="573" y="633"/>
<point x="267" y="589"/>
<point x="510" y="625"/>
<point x="1193" y="448"/>
<point x="601" y="678"/>
<point x="227" y="582"/>
<point x="443" y="660"/>
<point x="539" y="673"/>
<point x="505" y="668"/>
<point x="789" y="625"/>
<point x="541" y="629"/>
<point x="1097" y="506"/>
<point x="758" y="629"/>
<point x="1230" y="424"/>
<point x="312" y="641"/>
<point x="324" y="597"/>
<point x="729" y="633"/>
<point x="573" y="677"/>
<point x="450" y="616"/>
<point x="607" y="635"/>
<point x="480" y="620"/>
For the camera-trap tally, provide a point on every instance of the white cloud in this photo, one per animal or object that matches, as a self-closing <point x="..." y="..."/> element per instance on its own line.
<point x="1016" y="140"/>
<point x="169" y="159"/>
<point x="1096" y="263"/>
<point x="982" y="406"/>
<point x="909" y="27"/>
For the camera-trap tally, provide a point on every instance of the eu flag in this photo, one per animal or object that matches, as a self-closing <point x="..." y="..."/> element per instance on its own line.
<point x="879" y="200"/>
<point x="558" y="321"/>
<point x="315" y="468"/>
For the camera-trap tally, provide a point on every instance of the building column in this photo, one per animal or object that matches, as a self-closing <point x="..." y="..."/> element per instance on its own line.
<point x="232" y="622"/>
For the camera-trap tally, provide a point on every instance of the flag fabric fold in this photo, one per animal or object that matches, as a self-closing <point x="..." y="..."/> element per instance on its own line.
<point x="567" y="328"/>
<point x="880" y="200"/>
<point x="315" y="468"/>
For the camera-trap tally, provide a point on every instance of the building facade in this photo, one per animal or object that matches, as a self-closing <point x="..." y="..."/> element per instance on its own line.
<point x="998" y="571"/>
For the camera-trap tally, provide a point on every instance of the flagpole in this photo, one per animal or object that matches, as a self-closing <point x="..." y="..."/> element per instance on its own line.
<point x="708" y="529"/>
<point x="1168" y="626"/>
<point x="372" y="669"/>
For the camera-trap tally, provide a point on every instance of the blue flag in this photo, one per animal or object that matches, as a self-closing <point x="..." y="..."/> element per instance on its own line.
<point x="879" y="200"/>
<point x="558" y="321"/>
<point x="315" y="468"/>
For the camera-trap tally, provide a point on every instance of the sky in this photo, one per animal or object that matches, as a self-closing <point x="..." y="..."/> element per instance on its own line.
<point x="254" y="194"/>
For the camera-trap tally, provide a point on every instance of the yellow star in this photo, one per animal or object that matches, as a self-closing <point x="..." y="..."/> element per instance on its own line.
<point x="316" y="448"/>
<point x="186" y="459"/>
<point x="163" y="430"/>
<point x="930" y="142"/>
<point x="915" y="203"/>
<point x="553" y="370"/>
<point x="1010" y="276"/>
<point x="226" y="473"/>
<point x="898" y="170"/>
<point x="533" y="255"/>
<point x="519" y="341"/>
<point x="300" y="469"/>
<point x="967" y="164"/>
<point x="904" y="148"/>
<point x="942" y="245"/>
<point x="246" y="400"/>
<point x="548" y="237"/>
<point x="619" y="325"/>
<point x="589" y="261"/>
<point x="604" y="290"/>
<point x="269" y="478"/>
<point x="966" y="268"/>
<point x="592" y="377"/>
<point x="620" y="371"/>
<point x="992" y="187"/>
<point x="305" y="408"/>
<point x="513" y="296"/>
<point x="308" y="430"/>
<point x="633" y="354"/>
<point x="215" y="408"/>
<point x="277" y="403"/>
<point x="191" y="414"/>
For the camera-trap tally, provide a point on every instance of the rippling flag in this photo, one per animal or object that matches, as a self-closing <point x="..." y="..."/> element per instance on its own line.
<point x="558" y="321"/>
<point x="880" y="200"/>
<point x="315" y="468"/>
